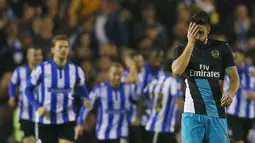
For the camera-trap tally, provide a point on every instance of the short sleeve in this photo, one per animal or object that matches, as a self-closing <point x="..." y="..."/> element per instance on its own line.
<point x="15" y="77"/>
<point x="80" y="77"/>
<point x="228" y="60"/>
<point x="146" y="91"/>
<point x="36" y="75"/>
<point x="133" y="92"/>
<point x="178" y="51"/>
<point x="94" y="94"/>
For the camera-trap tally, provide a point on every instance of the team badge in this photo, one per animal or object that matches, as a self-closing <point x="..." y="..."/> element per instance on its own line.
<point x="215" y="53"/>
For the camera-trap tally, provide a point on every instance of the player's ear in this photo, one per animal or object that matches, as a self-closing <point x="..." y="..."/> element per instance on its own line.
<point x="209" y="29"/>
<point x="52" y="50"/>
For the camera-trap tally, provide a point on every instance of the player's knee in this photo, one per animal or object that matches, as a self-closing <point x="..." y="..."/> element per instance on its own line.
<point x="29" y="139"/>
<point x="64" y="141"/>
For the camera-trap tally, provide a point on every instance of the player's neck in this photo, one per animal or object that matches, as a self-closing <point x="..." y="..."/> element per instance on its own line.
<point x="150" y="21"/>
<point x="59" y="62"/>
<point x="31" y="66"/>
<point x="202" y="42"/>
<point x="114" y="85"/>
<point x="242" y="65"/>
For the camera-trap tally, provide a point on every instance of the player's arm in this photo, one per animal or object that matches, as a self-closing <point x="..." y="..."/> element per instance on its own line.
<point x="132" y="75"/>
<point x="143" y="98"/>
<point x="84" y="111"/>
<point x="180" y="64"/>
<point x="34" y="79"/>
<point x="232" y="73"/>
<point x="82" y="88"/>
<point x="234" y="80"/>
<point x="15" y="81"/>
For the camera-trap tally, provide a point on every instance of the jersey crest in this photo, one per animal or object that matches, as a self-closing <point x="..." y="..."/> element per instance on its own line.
<point x="215" y="53"/>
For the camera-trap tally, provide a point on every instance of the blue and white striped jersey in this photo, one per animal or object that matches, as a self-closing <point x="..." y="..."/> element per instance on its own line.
<point x="163" y="92"/>
<point x="56" y="90"/>
<point x="241" y="106"/>
<point x="19" y="80"/>
<point x="146" y="75"/>
<point x="113" y="105"/>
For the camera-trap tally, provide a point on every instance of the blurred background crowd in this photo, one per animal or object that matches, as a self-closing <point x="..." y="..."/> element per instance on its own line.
<point x="99" y="29"/>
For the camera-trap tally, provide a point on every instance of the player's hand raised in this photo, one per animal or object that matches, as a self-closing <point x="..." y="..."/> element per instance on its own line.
<point x="43" y="111"/>
<point x="226" y="99"/>
<point x="192" y="33"/>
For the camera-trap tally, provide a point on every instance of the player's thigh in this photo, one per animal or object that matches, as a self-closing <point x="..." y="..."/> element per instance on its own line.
<point x="149" y="137"/>
<point x="30" y="139"/>
<point x="135" y="134"/>
<point x="122" y="140"/>
<point x="48" y="133"/>
<point x="193" y="129"/>
<point x="166" y="138"/>
<point x="66" y="132"/>
<point x="28" y="130"/>
<point x="64" y="141"/>
<point x="236" y="126"/>
<point x="108" y="141"/>
<point x="247" y="126"/>
<point x="217" y="130"/>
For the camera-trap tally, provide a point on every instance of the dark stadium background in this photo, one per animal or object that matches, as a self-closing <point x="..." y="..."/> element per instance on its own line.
<point x="130" y="25"/>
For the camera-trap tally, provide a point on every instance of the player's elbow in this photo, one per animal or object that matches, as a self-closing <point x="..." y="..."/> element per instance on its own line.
<point x="176" y="70"/>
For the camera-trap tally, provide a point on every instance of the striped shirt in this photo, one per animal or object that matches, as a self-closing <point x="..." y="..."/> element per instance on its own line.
<point x="56" y="90"/>
<point x="241" y="106"/>
<point x="19" y="80"/>
<point x="163" y="91"/>
<point x="146" y="75"/>
<point x="113" y="105"/>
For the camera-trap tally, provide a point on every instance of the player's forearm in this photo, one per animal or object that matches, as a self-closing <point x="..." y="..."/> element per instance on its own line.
<point x="180" y="64"/>
<point x="11" y="90"/>
<point x="83" y="115"/>
<point x="234" y="84"/>
<point x="140" y="106"/>
<point x="29" y="94"/>
<point x="132" y="76"/>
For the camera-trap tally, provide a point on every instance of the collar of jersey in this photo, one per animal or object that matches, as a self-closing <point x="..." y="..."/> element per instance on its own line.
<point x="59" y="67"/>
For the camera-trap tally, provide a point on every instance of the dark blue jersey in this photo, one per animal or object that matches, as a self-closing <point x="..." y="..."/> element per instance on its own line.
<point x="204" y="77"/>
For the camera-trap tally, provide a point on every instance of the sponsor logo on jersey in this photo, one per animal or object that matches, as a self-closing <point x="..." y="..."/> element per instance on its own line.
<point x="204" y="72"/>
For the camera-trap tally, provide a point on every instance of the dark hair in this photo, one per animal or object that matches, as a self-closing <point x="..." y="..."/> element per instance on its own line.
<point x="58" y="38"/>
<point x="34" y="47"/>
<point x="167" y="65"/>
<point x="237" y="50"/>
<point x="133" y="54"/>
<point x="200" y="18"/>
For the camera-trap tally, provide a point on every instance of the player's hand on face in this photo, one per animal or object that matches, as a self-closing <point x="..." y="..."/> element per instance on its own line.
<point x="43" y="111"/>
<point x="226" y="99"/>
<point x="192" y="33"/>
<point x="12" y="102"/>
<point x="78" y="131"/>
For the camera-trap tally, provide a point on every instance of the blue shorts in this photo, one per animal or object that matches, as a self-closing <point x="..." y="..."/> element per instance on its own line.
<point x="198" y="128"/>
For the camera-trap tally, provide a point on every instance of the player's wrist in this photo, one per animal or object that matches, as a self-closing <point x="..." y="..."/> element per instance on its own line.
<point x="191" y="44"/>
<point x="231" y="94"/>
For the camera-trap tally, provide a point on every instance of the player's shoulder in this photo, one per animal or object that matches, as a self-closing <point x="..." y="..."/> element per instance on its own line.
<point x="221" y="44"/>
<point x="21" y="67"/>
<point x="101" y="85"/>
